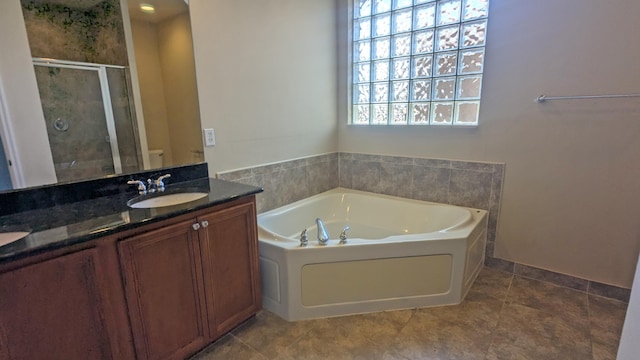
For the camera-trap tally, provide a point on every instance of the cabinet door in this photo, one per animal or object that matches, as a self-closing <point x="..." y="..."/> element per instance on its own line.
<point x="163" y="284"/>
<point x="54" y="310"/>
<point x="230" y="260"/>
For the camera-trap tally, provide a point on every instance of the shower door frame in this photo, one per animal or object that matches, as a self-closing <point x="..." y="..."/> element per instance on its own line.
<point x="101" y="69"/>
<point x="10" y="150"/>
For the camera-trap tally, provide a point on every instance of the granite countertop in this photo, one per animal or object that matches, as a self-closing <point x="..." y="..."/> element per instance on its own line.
<point x="80" y="221"/>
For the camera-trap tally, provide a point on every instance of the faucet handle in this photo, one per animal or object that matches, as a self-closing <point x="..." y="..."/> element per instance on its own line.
<point x="151" y="188"/>
<point x="343" y="235"/>
<point x="160" y="181"/>
<point x="304" y="239"/>
<point x="142" y="189"/>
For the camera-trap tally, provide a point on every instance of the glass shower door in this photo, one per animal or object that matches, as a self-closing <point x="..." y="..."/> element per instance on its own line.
<point x="79" y="119"/>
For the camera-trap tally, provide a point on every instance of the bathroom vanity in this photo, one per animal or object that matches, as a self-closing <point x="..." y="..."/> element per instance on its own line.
<point x="122" y="283"/>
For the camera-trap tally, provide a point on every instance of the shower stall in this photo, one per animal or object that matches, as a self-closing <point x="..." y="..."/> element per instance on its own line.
<point x="90" y="118"/>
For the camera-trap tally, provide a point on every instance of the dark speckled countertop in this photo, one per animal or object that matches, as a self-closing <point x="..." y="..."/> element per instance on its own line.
<point x="61" y="225"/>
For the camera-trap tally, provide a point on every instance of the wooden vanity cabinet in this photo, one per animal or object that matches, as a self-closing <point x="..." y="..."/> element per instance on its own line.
<point x="229" y="249"/>
<point x="66" y="305"/>
<point x="162" y="291"/>
<point x="162" y="272"/>
<point x="190" y="282"/>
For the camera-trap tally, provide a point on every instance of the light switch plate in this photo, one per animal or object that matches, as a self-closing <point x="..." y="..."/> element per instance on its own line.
<point x="209" y="137"/>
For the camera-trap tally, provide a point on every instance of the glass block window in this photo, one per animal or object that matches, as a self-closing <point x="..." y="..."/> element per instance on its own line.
<point x="418" y="62"/>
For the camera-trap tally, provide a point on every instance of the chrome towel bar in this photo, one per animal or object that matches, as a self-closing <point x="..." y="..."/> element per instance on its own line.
<point x="542" y="98"/>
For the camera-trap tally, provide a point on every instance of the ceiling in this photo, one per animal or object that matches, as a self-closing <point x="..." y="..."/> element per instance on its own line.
<point x="165" y="9"/>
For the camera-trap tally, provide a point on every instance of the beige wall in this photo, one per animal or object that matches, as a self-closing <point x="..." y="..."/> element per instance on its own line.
<point x="266" y="79"/>
<point x="571" y="191"/>
<point x="21" y="110"/>
<point x="181" y="96"/>
<point x="152" y="87"/>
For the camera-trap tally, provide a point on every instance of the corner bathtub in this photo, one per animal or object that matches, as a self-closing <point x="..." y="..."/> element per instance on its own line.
<point x="400" y="254"/>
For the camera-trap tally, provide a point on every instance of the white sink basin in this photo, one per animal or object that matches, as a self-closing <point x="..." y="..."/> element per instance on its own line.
<point x="167" y="200"/>
<point x="9" y="237"/>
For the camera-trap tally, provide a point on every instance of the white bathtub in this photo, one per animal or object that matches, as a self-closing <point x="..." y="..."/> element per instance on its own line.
<point x="400" y="253"/>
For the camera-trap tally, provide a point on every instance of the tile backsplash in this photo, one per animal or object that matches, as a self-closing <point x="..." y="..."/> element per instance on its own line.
<point x="288" y="181"/>
<point x="463" y="183"/>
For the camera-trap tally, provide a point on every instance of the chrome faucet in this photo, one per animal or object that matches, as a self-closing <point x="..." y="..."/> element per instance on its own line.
<point x="151" y="185"/>
<point x="160" y="182"/>
<point x="304" y="240"/>
<point x="323" y="236"/>
<point x="142" y="188"/>
<point x="343" y="235"/>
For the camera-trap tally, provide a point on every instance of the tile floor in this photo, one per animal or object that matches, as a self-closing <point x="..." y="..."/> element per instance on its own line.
<point x="504" y="316"/>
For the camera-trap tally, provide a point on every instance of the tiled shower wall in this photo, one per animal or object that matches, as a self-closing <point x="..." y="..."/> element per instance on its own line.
<point x="75" y="32"/>
<point x="463" y="183"/>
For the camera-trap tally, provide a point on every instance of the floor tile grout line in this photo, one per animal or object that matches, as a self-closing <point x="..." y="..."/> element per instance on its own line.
<point x="554" y="285"/>
<point x="583" y="293"/>
<point x="414" y="311"/>
<point x="304" y="335"/>
<point x="372" y="342"/>
<point x="249" y="346"/>
<point x="495" y="330"/>
<point x="590" y="324"/>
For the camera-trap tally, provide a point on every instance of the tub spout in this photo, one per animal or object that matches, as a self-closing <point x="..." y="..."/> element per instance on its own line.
<point x="323" y="236"/>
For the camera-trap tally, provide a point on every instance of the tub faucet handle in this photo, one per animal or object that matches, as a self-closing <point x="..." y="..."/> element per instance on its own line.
<point x="304" y="240"/>
<point x="343" y="235"/>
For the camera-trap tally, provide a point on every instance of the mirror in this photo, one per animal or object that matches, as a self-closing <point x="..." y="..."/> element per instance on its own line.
<point x="117" y="85"/>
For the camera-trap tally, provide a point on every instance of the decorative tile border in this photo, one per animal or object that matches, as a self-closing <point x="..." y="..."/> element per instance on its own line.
<point x="551" y="277"/>
<point x="499" y="264"/>
<point x="609" y="291"/>
<point x="572" y="282"/>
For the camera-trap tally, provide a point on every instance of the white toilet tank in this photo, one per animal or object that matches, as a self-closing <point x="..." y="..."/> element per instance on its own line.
<point x="156" y="158"/>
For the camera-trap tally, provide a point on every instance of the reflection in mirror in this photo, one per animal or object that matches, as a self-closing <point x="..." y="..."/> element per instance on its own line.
<point x="166" y="73"/>
<point x="88" y="88"/>
<point x="91" y="128"/>
<point x="5" y="177"/>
